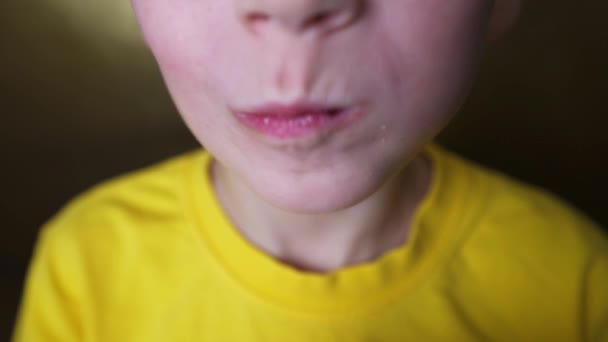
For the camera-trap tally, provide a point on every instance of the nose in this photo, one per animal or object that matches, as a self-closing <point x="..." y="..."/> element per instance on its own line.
<point x="297" y="16"/>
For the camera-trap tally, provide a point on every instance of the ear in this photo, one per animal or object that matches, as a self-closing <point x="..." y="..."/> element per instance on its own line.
<point x="504" y="16"/>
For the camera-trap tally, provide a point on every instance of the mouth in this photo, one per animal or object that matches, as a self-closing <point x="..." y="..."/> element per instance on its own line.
<point x="296" y="120"/>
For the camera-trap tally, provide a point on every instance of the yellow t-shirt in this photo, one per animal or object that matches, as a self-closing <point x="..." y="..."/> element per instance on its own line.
<point x="152" y="257"/>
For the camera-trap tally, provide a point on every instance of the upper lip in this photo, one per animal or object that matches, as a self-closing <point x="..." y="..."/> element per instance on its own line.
<point x="293" y="110"/>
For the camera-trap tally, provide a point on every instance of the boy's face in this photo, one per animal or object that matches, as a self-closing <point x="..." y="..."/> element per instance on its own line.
<point x="403" y="66"/>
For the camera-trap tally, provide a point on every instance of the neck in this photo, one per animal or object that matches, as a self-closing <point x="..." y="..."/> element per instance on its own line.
<point x="327" y="241"/>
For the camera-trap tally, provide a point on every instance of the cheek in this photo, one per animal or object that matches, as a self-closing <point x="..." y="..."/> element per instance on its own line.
<point x="183" y="51"/>
<point x="424" y="70"/>
<point x="184" y="37"/>
<point x="434" y="65"/>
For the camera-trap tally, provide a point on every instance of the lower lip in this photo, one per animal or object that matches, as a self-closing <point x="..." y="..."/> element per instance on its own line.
<point x="289" y="127"/>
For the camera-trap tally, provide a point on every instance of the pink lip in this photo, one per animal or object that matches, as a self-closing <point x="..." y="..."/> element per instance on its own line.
<point x="297" y="120"/>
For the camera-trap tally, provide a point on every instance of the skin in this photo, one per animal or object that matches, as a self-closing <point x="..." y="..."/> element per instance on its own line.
<point x="347" y="194"/>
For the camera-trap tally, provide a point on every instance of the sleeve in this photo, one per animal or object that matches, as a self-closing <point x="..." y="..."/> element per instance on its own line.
<point x="597" y="298"/>
<point x="52" y="307"/>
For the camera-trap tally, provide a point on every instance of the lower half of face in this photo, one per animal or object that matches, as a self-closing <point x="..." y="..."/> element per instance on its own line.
<point x="375" y="91"/>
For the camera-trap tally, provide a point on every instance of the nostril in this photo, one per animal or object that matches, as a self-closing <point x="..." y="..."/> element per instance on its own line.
<point x="319" y="18"/>
<point x="256" y="17"/>
<point x="331" y="20"/>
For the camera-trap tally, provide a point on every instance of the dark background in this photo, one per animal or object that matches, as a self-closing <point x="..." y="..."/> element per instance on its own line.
<point x="81" y="101"/>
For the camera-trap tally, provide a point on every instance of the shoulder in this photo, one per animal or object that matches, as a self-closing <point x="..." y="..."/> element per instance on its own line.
<point x="533" y="255"/>
<point x="520" y="230"/>
<point x="124" y="224"/>
<point x="524" y="255"/>
<point x="535" y="215"/>
<point x="515" y="209"/>
<point x="107" y="252"/>
<point x="121" y="215"/>
<point x="517" y="229"/>
<point x="148" y="194"/>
